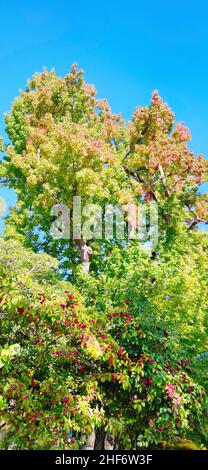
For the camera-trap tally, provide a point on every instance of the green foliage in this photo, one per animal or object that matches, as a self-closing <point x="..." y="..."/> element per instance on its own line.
<point x="65" y="142"/>
<point x="66" y="368"/>
<point x="48" y="381"/>
<point x="122" y="347"/>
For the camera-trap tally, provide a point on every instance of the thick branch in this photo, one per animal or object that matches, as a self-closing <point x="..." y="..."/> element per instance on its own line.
<point x="85" y="253"/>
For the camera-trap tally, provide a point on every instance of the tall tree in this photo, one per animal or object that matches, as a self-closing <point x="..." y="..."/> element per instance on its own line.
<point x="145" y="313"/>
<point x="66" y="143"/>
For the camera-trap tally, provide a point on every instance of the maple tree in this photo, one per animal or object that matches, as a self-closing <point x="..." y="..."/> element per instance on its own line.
<point x="113" y="351"/>
<point x="65" y="142"/>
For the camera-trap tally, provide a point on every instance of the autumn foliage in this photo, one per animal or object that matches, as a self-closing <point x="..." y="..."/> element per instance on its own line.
<point x="115" y="349"/>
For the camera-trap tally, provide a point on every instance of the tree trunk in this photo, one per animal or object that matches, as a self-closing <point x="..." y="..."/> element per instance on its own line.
<point x="103" y="441"/>
<point x="99" y="439"/>
<point x="90" y="443"/>
<point x="85" y="253"/>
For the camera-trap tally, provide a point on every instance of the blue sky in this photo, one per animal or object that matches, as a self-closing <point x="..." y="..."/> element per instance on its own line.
<point x="127" y="49"/>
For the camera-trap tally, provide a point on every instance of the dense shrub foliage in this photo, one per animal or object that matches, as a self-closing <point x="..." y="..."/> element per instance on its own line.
<point x="66" y="368"/>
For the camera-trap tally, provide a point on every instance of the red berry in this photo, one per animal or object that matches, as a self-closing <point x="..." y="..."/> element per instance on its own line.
<point x="63" y="306"/>
<point x="37" y="341"/>
<point x="65" y="399"/>
<point x="120" y="352"/>
<point x="20" y="310"/>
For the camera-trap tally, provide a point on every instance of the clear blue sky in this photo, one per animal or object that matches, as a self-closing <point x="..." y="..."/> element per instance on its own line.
<point x="127" y="49"/>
